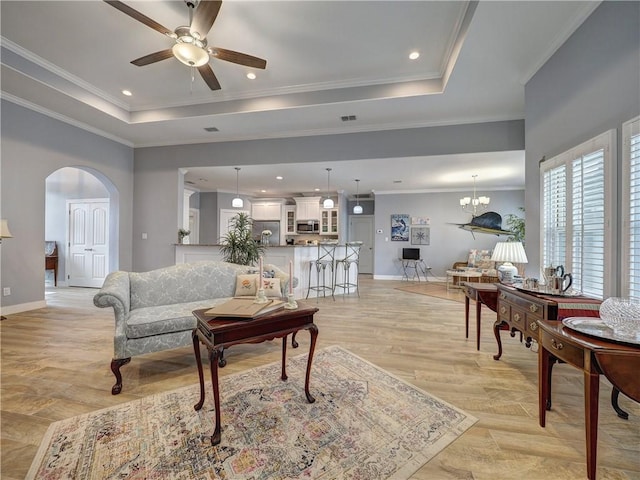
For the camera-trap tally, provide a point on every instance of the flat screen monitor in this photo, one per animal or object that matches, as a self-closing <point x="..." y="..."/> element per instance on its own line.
<point x="411" y="254"/>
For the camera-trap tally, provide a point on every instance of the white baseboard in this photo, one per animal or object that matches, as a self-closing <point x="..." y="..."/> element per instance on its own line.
<point x="23" y="307"/>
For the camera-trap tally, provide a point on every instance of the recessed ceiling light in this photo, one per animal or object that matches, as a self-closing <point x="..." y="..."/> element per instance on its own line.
<point x="263" y="191"/>
<point x="279" y="177"/>
<point x="316" y="189"/>
<point x="251" y="76"/>
<point x="414" y="55"/>
<point x="127" y="93"/>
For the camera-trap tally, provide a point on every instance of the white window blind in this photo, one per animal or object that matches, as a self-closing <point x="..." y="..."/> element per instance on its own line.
<point x="631" y="206"/>
<point x="576" y="210"/>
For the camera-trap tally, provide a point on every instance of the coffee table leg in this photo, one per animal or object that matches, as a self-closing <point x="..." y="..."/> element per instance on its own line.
<point x="213" y="362"/>
<point x="196" y="351"/>
<point x="466" y="316"/>
<point x="313" y="330"/>
<point x="283" y="375"/>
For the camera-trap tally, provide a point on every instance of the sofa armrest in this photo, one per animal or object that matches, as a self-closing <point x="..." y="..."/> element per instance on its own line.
<point x="115" y="292"/>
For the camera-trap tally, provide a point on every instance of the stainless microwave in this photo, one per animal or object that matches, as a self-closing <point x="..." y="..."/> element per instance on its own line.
<point x="308" y="226"/>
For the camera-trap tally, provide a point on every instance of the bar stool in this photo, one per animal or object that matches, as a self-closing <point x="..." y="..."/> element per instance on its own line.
<point x="351" y="257"/>
<point x="324" y="260"/>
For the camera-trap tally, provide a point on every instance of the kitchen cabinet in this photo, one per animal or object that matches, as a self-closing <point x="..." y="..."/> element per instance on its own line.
<point x="329" y="221"/>
<point x="290" y="220"/>
<point x="266" y="211"/>
<point x="307" y="208"/>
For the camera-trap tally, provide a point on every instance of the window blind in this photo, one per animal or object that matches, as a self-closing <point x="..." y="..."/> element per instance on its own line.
<point x="631" y="204"/>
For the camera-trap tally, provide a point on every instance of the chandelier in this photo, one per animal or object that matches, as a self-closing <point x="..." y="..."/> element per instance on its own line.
<point x="472" y="205"/>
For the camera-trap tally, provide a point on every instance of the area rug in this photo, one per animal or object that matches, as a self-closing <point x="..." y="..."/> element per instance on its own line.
<point x="365" y="424"/>
<point x="432" y="289"/>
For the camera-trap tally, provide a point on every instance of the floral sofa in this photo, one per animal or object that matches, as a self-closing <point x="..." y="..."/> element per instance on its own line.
<point x="478" y="261"/>
<point x="153" y="310"/>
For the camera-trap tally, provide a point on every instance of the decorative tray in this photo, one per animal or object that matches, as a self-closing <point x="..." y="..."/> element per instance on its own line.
<point x="595" y="327"/>
<point x="543" y="291"/>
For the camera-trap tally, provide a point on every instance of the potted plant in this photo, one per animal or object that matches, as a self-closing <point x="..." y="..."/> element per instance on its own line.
<point x="183" y="233"/>
<point x="238" y="245"/>
<point x="516" y="226"/>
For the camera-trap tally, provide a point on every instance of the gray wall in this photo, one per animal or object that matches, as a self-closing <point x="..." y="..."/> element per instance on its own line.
<point x="62" y="185"/>
<point x="448" y="242"/>
<point x="34" y="146"/>
<point x="590" y="85"/>
<point x="157" y="180"/>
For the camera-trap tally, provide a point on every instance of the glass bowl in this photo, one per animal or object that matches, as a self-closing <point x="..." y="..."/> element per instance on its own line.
<point x="622" y="316"/>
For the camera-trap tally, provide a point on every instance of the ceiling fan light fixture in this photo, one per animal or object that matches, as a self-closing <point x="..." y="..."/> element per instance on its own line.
<point x="190" y="54"/>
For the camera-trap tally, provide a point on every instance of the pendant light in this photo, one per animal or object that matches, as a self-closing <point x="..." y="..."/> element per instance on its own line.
<point x="357" y="209"/>
<point x="328" y="203"/>
<point x="237" y="202"/>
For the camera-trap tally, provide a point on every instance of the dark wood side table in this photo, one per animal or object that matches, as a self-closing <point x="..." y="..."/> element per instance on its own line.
<point x="218" y="333"/>
<point x="481" y="293"/>
<point x="618" y="362"/>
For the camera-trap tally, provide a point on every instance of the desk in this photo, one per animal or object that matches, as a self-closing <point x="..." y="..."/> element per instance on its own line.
<point x="618" y="362"/>
<point x="482" y="293"/>
<point x="218" y="334"/>
<point x="416" y="266"/>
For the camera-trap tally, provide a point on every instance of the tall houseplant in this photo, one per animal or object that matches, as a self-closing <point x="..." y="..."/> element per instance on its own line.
<point x="516" y="225"/>
<point x="238" y="245"/>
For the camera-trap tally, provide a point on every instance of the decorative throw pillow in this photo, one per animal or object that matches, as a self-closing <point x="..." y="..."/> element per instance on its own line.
<point x="246" y="285"/>
<point x="271" y="287"/>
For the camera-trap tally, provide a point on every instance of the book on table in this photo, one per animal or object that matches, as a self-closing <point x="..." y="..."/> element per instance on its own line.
<point x="244" y="307"/>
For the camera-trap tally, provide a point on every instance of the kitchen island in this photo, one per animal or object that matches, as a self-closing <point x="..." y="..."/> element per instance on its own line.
<point x="280" y="256"/>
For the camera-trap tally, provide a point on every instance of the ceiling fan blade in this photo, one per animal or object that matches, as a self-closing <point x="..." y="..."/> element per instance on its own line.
<point x="153" y="58"/>
<point x="239" y="58"/>
<point x="204" y="16"/>
<point x="136" y="15"/>
<point x="209" y="77"/>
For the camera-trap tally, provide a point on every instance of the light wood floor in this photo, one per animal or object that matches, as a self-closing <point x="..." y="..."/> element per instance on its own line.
<point x="55" y="364"/>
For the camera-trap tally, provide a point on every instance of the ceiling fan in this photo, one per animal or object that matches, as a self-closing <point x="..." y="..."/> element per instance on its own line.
<point x="191" y="46"/>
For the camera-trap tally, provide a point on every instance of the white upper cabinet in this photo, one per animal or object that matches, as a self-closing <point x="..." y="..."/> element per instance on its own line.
<point x="307" y="208"/>
<point x="266" y="210"/>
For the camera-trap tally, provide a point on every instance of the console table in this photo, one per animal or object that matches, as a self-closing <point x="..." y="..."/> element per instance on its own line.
<point x="618" y="362"/>
<point x="481" y="293"/>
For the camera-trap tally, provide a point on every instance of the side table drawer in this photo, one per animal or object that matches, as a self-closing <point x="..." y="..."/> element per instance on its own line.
<point x="560" y="348"/>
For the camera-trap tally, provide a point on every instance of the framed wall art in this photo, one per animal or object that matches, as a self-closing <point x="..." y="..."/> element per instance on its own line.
<point x="420" y="221"/>
<point x="420" y="236"/>
<point x="399" y="227"/>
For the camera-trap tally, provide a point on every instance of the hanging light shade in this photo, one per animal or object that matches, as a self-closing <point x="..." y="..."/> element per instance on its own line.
<point x="472" y="205"/>
<point x="237" y="202"/>
<point x="357" y="209"/>
<point x="328" y="203"/>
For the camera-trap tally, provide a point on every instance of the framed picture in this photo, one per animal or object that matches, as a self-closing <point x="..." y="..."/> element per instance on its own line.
<point x="399" y="227"/>
<point x="420" y="236"/>
<point x="420" y="221"/>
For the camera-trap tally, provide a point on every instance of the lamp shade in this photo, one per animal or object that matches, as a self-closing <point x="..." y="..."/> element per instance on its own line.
<point x="509" y="253"/>
<point x="512" y="252"/>
<point x="4" y="229"/>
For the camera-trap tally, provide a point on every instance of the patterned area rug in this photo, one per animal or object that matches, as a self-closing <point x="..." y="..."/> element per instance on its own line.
<point x="365" y="424"/>
<point x="433" y="289"/>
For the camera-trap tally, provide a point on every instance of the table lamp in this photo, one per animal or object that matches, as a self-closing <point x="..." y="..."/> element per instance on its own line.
<point x="509" y="253"/>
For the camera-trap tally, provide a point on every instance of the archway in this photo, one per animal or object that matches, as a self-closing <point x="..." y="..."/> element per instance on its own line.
<point x="78" y="183"/>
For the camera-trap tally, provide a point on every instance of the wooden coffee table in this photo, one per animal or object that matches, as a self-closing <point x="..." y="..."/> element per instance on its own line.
<point x="218" y="333"/>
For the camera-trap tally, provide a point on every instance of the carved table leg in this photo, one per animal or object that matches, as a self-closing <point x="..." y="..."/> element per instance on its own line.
<point x="544" y="382"/>
<point x="552" y="362"/>
<point x="313" y="330"/>
<point x="615" y="393"/>
<point x="496" y="332"/>
<point x="591" y="389"/>
<point x="115" y="368"/>
<point x="294" y="344"/>
<point x="283" y="375"/>
<point x="466" y="316"/>
<point x="213" y="361"/>
<point x="221" y="360"/>
<point x="478" y="314"/>
<point x="196" y="351"/>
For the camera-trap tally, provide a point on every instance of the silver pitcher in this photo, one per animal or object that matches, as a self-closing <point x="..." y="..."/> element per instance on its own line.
<point x="561" y="284"/>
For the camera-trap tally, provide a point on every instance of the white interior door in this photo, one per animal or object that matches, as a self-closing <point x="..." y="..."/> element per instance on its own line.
<point x="88" y="259"/>
<point x="361" y="230"/>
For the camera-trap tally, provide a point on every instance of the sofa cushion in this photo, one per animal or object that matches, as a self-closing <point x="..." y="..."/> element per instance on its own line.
<point x="160" y="320"/>
<point x="246" y="285"/>
<point x="272" y="287"/>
